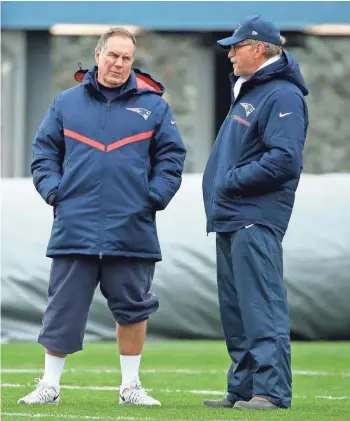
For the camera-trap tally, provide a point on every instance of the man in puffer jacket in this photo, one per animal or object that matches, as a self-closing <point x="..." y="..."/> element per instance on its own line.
<point x="249" y="186"/>
<point x="107" y="157"/>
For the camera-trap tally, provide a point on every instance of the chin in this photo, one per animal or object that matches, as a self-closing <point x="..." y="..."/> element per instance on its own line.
<point x="115" y="82"/>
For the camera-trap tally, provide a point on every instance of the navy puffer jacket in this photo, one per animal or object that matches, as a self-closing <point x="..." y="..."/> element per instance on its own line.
<point x="254" y="167"/>
<point x="107" y="167"/>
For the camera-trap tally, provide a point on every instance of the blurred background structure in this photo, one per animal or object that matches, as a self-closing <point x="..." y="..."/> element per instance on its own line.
<point x="42" y="44"/>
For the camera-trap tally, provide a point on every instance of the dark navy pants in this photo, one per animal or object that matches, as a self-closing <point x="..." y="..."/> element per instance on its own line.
<point x="254" y="314"/>
<point x="124" y="282"/>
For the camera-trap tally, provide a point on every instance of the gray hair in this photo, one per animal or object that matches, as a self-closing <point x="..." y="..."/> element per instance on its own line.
<point x="271" y="50"/>
<point x="122" y="32"/>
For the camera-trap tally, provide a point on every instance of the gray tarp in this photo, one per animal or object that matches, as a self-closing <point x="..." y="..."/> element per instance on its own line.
<point x="316" y="261"/>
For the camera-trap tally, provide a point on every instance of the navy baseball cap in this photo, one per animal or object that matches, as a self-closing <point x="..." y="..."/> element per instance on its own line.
<point x="253" y="27"/>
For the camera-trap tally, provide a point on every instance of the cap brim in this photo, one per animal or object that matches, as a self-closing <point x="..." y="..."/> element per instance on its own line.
<point x="227" y="42"/>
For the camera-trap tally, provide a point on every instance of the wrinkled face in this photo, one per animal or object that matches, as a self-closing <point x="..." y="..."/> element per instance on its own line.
<point x="115" y="61"/>
<point x="245" y="58"/>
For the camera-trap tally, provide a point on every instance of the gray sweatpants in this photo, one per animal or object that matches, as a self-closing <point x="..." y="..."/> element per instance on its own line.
<point x="124" y="282"/>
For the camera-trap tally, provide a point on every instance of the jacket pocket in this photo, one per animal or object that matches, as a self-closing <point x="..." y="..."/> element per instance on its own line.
<point x="65" y="167"/>
<point x="145" y="177"/>
<point x="149" y="203"/>
<point x="223" y="191"/>
<point x="59" y="189"/>
<point x="61" y="186"/>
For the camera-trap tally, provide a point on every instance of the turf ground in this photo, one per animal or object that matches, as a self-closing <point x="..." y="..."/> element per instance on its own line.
<point x="178" y="373"/>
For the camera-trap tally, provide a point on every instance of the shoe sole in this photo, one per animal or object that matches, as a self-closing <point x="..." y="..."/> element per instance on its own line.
<point x="253" y="409"/>
<point x="38" y="403"/>
<point x="139" y="404"/>
<point x="217" y="406"/>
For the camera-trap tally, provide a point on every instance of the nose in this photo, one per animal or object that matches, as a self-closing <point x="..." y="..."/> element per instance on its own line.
<point x="231" y="53"/>
<point x="118" y="62"/>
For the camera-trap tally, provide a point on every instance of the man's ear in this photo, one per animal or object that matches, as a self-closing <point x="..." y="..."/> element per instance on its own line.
<point x="260" y="49"/>
<point x="97" y="55"/>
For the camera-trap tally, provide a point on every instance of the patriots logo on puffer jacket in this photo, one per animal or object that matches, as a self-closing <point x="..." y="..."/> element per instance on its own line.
<point x="248" y="108"/>
<point x="142" y="111"/>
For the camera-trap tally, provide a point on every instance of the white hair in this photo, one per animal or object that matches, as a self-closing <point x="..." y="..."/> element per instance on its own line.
<point x="271" y="50"/>
<point x="101" y="44"/>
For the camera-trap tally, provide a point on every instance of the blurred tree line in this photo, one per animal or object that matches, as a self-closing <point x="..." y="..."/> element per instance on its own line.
<point x="324" y="62"/>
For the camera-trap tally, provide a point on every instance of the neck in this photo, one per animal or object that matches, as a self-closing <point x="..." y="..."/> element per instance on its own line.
<point x="106" y="84"/>
<point x="263" y="61"/>
<point x="259" y="64"/>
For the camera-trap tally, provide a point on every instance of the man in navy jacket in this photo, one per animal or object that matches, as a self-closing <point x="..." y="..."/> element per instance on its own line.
<point x="107" y="157"/>
<point x="249" y="187"/>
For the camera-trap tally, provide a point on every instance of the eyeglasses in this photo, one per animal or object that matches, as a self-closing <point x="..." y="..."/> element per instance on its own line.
<point x="237" y="47"/>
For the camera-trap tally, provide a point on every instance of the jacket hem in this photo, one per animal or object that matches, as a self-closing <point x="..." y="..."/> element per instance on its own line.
<point x="231" y="226"/>
<point x="94" y="252"/>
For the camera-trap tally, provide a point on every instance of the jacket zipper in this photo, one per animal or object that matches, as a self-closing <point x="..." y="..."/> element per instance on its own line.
<point x="233" y="104"/>
<point x="100" y="255"/>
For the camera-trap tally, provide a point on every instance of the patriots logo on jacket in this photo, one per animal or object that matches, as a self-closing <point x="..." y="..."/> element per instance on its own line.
<point x="142" y="111"/>
<point x="248" y="108"/>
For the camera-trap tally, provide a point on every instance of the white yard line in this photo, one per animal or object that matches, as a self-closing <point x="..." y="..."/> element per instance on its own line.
<point x="319" y="373"/>
<point x="74" y="417"/>
<point x="115" y="389"/>
<point x="115" y="371"/>
<point x="194" y="392"/>
<point x="332" y="397"/>
<point x="112" y="388"/>
<point x="86" y="417"/>
<point x="164" y="371"/>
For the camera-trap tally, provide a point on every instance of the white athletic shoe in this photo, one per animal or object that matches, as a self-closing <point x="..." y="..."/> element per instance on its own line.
<point x="134" y="394"/>
<point x="41" y="395"/>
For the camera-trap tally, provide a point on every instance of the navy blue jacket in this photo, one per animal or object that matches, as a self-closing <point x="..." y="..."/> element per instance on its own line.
<point x="107" y="167"/>
<point x="255" y="164"/>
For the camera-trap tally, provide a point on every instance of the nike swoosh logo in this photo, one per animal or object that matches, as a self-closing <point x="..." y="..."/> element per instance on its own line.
<point x="122" y="398"/>
<point x="283" y="115"/>
<point x="172" y="121"/>
<point x="56" y="397"/>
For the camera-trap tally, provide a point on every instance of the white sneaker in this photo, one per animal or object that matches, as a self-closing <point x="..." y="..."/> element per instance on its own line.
<point x="42" y="394"/>
<point x="134" y="394"/>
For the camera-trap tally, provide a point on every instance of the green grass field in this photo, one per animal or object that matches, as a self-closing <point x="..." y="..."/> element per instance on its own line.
<point x="178" y="373"/>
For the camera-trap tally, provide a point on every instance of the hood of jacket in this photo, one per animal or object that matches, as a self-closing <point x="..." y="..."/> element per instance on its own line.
<point x="285" y="68"/>
<point x="138" y="83"/>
